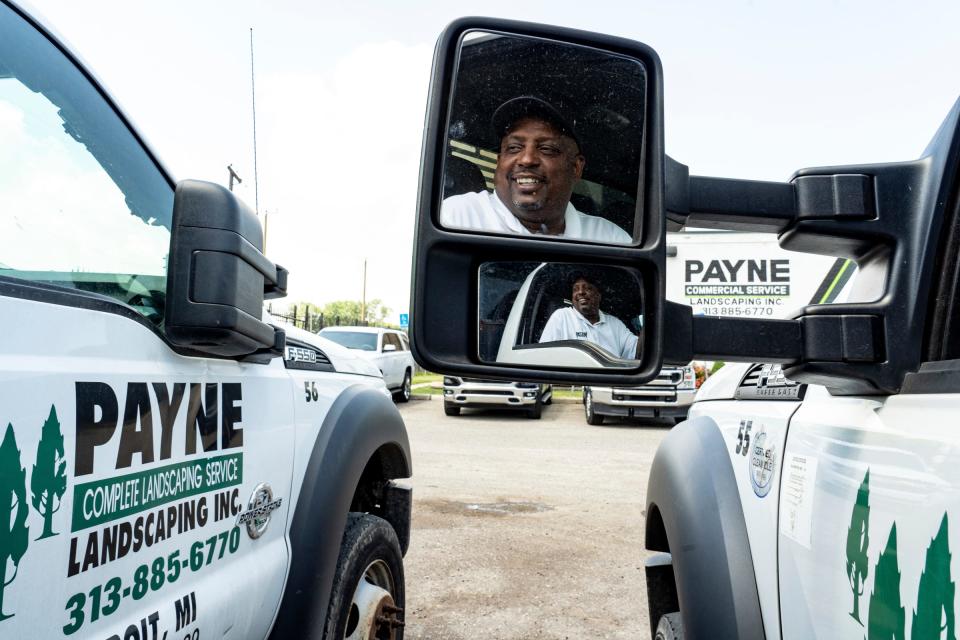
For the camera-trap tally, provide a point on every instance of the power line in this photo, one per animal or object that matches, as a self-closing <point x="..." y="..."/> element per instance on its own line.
<point x="253" y="98"/>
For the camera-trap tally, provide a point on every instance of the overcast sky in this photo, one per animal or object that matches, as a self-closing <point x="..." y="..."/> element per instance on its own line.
<point x="752" y="90"/>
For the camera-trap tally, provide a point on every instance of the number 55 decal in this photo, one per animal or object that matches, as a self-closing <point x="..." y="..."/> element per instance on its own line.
<point x="743" y="438"/>
<point x="310" y="388"/>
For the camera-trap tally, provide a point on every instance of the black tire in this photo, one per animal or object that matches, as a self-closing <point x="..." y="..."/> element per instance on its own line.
<point x="451" y="411"/>
<point x="406" y="388"/>
<point x="369" y="553"/>
<point x="535" y="411"/>
<point x="669" y="627"/>
<point x="592" y="416"/>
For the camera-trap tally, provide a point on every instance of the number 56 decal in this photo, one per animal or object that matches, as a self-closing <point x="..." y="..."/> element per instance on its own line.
<point x="310" y="388"/>
<point x="743" y="438"/>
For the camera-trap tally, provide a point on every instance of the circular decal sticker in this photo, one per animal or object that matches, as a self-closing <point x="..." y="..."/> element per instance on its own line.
<point x="763" y="462"/>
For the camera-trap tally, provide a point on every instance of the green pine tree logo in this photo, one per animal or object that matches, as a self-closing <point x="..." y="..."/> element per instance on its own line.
<point x="13" y="512"/>
<point x="48" y="480"/>
<point x="935" y="601"/>
<point x="886" y="615"/>
<point x="858" y="541"/>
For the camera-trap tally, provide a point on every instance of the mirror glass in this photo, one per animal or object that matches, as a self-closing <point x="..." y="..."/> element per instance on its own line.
<point x="544" y="138"/>
<point x="560" y="315"/>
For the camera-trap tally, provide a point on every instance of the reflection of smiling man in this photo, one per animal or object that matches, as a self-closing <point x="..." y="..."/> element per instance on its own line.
<point x="538" y="164"/>
<point x="585" y="321"/>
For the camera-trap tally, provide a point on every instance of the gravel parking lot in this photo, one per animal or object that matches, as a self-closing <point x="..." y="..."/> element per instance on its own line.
<point x="526" y="528"/>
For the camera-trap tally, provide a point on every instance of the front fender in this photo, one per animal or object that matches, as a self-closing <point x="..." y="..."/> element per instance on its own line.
<point x="360" y="424"/>
<point x="694" y="513"/>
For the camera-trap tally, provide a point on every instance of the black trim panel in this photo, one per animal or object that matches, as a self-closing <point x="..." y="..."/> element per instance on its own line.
<point x="934" y="377"/>
<point x="693" y="495"/>
<point x="361" y="423"/>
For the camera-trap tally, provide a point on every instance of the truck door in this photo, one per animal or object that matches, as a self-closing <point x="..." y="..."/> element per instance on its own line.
<point x="124" y="466"/>
<point x="869" y="514"/>
<point x="869" y="521"/>
<point x="393" y="360"/>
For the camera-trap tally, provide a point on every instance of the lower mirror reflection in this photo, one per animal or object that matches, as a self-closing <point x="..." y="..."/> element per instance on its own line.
<point x="560" y="315"/>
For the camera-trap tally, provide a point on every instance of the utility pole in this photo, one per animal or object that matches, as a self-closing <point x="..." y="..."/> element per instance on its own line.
<point x="363" y="299"/>
<point x="233" y="176"/>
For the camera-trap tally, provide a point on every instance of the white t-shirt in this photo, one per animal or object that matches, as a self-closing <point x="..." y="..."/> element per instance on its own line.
<point x="608" y="332"/>
<point x="484" y="211"/>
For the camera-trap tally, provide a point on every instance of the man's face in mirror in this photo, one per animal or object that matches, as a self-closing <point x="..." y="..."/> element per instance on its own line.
<point x="536" y="170"/>
<point x="586" y="299"/>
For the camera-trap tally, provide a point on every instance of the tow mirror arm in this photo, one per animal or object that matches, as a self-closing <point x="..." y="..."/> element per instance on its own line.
<point x="812" y="343"/>
<point x="766" y="207"/>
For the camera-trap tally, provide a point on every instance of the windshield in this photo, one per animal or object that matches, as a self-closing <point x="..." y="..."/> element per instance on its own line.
<point x="82" y="205"/>
<point x="353" y="339"/>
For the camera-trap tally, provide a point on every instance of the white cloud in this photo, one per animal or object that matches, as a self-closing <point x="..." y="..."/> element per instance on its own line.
<point x="62" y="212"/>
<point x="11" y="123"/>
<point x="339" y="161"/>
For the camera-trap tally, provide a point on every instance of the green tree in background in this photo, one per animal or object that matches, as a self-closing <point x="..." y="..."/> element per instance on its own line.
<point x="886" y="615"/>
<point x="858" y="542"/>
<point x="349" y="311"/>
<point x="48" y="480"/>
<point x="13" y="512"/>
<point x="935" y="601"/>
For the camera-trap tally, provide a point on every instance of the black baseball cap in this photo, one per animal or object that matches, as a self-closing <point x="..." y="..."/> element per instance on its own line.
<point x="530" y="107"/>
<point x="583" y="273"/>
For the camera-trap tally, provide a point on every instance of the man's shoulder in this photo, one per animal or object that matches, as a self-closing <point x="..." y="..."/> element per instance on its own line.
<point x="465" y="202"/>
<point x="614" y="321"/>
<point x="472" y="210"/>
<point x="600" y="229"/>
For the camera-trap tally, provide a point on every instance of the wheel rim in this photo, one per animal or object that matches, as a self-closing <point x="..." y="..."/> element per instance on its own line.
<point x="406" y="386"/>
<point x="588" y="405"/>
<point x="373" y="612"/>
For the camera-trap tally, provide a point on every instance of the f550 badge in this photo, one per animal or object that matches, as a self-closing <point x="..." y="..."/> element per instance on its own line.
<point x="257" y="515"/>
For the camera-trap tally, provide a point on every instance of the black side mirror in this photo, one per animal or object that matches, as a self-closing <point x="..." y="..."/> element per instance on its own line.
<point x="218" y="277"/>
<point x="543" y="146"/>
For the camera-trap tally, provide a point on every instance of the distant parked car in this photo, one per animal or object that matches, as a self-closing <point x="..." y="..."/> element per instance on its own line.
<point x="388" y="349"/>
<point x="669" y="395"/>
<point x="494" y="394"/>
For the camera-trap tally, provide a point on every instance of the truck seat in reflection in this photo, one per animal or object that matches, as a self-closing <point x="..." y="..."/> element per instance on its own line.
<point x="461" y="176"/>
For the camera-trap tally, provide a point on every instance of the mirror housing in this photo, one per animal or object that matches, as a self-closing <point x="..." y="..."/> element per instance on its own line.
<point x="388" y="348"/>
<point x="444" y="330"/>
<point x="218" y="277"/>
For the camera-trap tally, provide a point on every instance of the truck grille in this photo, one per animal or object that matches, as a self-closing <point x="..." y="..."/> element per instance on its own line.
<point x="645" y="395"/>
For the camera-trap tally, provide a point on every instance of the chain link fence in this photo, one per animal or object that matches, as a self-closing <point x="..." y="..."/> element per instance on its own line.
<point x="302" y="318"/>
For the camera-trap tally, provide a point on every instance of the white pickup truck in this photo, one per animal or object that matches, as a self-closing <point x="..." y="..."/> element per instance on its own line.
<point x="721" y="273"/>
<point x="669" y="395"/>
<point x="172" y="465"/>
<point x="814" y="490"/>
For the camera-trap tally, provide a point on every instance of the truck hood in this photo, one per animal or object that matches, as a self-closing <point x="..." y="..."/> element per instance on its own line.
<point x="722" y="385"/>
<point x="344" y="360"/>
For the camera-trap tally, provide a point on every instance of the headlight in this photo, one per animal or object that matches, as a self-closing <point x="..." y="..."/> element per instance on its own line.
<point x="451" y="382"/>
<point x="527" y="385"/>
<point x="689" y="379"/>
